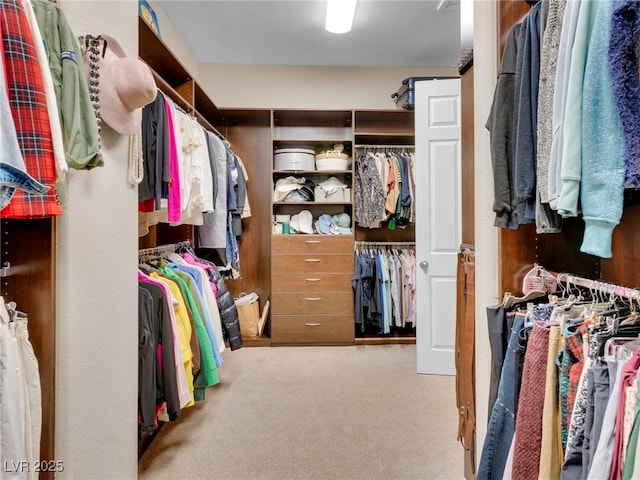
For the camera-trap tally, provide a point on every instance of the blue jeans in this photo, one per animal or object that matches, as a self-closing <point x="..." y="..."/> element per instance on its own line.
<point x="497" y="323"/>
<point x="601" y="393"/>
<point x="502" y="422"/>
<point x="12" y="178"/>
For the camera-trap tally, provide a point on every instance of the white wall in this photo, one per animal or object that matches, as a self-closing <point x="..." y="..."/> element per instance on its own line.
<point x="486" y="235"/>
<point x="97" y="333"/>
<point x="269" y="86"/>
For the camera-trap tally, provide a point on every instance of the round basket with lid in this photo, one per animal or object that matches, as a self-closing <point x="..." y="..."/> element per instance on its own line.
<point x="296" y="159"/>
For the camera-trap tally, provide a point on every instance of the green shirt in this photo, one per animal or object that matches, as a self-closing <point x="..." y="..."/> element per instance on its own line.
<point x="77" y="117"/>
<point x="208" y="374"/>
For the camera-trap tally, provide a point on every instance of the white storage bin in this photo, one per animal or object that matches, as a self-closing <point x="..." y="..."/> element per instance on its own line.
<point x="295" y="159"/>
<point x="339" y="195"/>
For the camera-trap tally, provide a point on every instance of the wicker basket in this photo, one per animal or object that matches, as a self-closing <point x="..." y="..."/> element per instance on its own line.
<point x="332" y="160"/>
<point x="332" y="154"/>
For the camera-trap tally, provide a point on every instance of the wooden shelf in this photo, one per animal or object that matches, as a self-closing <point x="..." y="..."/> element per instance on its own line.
<point x="246" y="117"/>
<point x="312" y="134"/>
<point x="312" y="235"/>
<point x="256" y="341"/>
<point x="311" y="203"/>
<point x="392" y="122"/>
<point x="174" y="79"/>
<point x="312" y="118"/>
<point x="312" y="172"/>
<point x="204" y="122"/>
<point x="386" y="139"/>
<point x="369" y="133"/>
<point x="204" y="105"/>
<point x="155" y="53"/>
<point x="171" y="92"/>
<point x="385" y="340"/>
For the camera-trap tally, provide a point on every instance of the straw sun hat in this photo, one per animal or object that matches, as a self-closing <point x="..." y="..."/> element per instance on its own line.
<point x="125" y="86"/>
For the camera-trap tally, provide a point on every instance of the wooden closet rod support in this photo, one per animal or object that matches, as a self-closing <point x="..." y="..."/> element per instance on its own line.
<point x="4" y="270"/>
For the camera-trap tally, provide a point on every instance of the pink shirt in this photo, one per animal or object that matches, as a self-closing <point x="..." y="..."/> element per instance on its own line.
<point x="174" y="207"/>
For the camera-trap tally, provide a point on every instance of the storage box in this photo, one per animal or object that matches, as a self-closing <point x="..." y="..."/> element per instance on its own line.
<point x="340" y="195"/>
<point x="295" y="159"/>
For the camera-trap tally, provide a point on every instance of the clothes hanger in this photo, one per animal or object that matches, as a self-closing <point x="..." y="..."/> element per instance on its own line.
<point x="11" y="310"/>
<point x="509" y="299"/>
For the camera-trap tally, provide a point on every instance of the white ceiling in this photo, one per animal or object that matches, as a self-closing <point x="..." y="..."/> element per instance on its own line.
<point x="386" y="33"/>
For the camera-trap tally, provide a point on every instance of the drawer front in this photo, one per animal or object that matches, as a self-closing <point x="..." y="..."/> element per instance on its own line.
<point x="312" y="263"/>
<point x="321" y="282"/>
<point x="309" y="303"/>
<point x="312" y="329"/>
<point x="287" y="244"/>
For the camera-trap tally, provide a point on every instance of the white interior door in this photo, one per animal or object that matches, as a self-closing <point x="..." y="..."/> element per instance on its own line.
<point x="438" y="222"/>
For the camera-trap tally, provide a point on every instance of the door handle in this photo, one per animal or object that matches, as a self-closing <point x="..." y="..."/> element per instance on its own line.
<point x="312" y="299"/>
<point x="424" y="264"/>
<point x="312" y="260"/>
<point x="312" y="279"/>
<point x="312" y="241"/>
<point x="312" y="324"/>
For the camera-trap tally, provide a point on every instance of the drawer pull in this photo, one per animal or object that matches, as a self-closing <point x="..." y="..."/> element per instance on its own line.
<point x="312" y="260"/>
<point x="314" y="324"/>
<point x="312" y="241"/>
<point x="311" y="279"/>
<point x="313" y="299"/>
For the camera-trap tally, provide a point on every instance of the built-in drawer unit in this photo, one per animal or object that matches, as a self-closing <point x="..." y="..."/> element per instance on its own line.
<point x="311" y="292"/>
<point x="312" y="329"/>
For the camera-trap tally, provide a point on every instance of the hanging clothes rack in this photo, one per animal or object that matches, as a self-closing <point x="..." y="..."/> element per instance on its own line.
<point x="161" y="250"/>
<point x="599" y="286"/>
<point x="385" y="147"/>
<point x="365" y="244"/>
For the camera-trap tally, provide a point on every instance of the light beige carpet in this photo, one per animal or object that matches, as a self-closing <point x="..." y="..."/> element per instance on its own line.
<point x="296" y="413"/>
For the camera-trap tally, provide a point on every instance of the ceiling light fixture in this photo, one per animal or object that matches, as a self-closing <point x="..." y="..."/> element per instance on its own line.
<point x="340" y="15"/>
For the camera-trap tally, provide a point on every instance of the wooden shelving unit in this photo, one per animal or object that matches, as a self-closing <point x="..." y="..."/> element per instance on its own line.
<point x="255" y="133"/>
<point x="377" y="130"/>
<point x="176" y="82"/>
<point x="29" y="250"/>
<point x="310" y="273"/>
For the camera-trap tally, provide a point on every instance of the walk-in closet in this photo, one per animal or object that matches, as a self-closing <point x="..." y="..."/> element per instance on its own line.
<point x="236" y="244"/>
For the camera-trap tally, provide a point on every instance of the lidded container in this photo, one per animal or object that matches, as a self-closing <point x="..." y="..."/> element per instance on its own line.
<point x="296" y="159"/>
